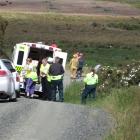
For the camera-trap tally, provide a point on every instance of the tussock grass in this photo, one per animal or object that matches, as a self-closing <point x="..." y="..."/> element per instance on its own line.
<point x="122" y="103"/>
<point x="126" y="110"/>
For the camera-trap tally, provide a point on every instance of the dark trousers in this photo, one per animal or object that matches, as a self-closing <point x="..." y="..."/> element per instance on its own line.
<point x="49" y="91"/>
<point x="89" y="90"/>
<point x="79" y="72"/>
<point x="57" y="86"/>
<point x="45" y="88"/>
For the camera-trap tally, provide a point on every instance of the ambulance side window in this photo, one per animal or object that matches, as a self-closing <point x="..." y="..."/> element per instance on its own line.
<point x="20" y="57"/>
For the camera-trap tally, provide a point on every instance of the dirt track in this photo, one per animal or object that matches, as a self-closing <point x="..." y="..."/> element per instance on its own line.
<point x="72" y="6"/>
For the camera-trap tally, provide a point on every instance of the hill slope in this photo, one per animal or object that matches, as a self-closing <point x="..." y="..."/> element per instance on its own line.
<point x="72" y="6"/>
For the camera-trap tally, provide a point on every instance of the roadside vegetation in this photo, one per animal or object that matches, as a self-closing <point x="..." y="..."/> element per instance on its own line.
<point x="135" y="3"/>
<point x="122" y="103"/>
<point x="118" y="92"/>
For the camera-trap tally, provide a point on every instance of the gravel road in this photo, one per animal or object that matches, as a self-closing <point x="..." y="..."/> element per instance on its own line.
<point x="34" y="119"/>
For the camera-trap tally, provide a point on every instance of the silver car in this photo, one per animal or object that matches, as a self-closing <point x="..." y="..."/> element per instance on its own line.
<point x="9" y="80"/>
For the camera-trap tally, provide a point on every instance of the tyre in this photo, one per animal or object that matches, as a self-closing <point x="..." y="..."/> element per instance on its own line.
<point x="13" y="98"/>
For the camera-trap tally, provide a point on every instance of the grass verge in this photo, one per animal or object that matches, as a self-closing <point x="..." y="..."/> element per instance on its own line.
<point x="123" y="104"/>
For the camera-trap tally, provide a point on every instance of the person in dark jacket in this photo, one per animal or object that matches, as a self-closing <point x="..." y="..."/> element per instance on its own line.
<point x="56" y="72"/>
<point x="80" y="65"/>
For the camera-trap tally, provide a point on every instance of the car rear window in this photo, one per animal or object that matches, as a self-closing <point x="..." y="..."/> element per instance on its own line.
<point x="9" y="66"/>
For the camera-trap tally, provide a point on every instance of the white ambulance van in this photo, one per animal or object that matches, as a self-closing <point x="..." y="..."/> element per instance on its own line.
<point x="36" y="51"/>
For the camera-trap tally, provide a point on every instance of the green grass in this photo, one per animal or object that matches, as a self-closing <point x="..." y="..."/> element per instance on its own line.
<point x="108" y="56"/>
<point x="92" y="35"/>
<point x="123" y="104"/>
<point x="73" y="92"/>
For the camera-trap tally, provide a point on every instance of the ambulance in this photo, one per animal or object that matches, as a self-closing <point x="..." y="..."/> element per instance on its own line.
<point x="36" y="51"/>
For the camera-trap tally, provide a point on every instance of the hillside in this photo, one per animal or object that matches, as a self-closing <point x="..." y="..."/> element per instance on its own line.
<point x="98" y="37"/>
<point x="99" y="29"/>
<point x="75" y="7"/>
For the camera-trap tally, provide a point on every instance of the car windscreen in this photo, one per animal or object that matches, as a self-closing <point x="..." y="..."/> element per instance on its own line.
<point x="9" y="66"/>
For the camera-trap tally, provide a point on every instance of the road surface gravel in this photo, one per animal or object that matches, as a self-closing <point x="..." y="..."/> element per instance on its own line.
<point x="33" y="119"/>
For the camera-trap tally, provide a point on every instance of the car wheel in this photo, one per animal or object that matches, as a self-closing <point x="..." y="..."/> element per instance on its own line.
<point x="13" y="98"/>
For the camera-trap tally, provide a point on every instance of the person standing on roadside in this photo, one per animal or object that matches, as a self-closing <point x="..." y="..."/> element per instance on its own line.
<point x="91" y="81"/>
<point x="80" y="65"/>
<point x="31" y="82"/>
<point x="26" y="71"/>
<point x="38" y="69"/>
<point x="44" y="68"/>
<point x="56" y="73"/>
<point x="73" y="66"/>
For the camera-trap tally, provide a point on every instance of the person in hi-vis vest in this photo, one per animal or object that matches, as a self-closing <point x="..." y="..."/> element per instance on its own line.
<point x="30" y="78"/>
<point x="56" y="73"/>
<point x="45" y="79"/>
<point x="91" y="81"/>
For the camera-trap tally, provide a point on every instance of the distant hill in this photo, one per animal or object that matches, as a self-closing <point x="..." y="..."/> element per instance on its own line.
<point x="71" y="6"/>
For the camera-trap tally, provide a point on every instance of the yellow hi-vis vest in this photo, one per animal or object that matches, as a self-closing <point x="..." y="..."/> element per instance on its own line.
<point x="45" y="69"/>
<point x="33" y="76"/>
<point x="57" y="77"/>
<point x="28" y="69"/>
<point x="91" y="79"/>
<point x="48" y="78"/>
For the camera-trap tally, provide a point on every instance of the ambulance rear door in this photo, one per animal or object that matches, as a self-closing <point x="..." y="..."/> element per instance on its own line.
<point x="20" y="55"/>
<point x="62" y="56"/>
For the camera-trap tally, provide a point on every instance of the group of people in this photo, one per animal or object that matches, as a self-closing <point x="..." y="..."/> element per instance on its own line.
<point x="50" y="75"/>
<point x="90" y="80"/>
<point x="76" y="65"/>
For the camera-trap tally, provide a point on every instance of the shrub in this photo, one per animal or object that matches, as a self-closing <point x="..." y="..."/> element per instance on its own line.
<point x="123" y="76"/>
